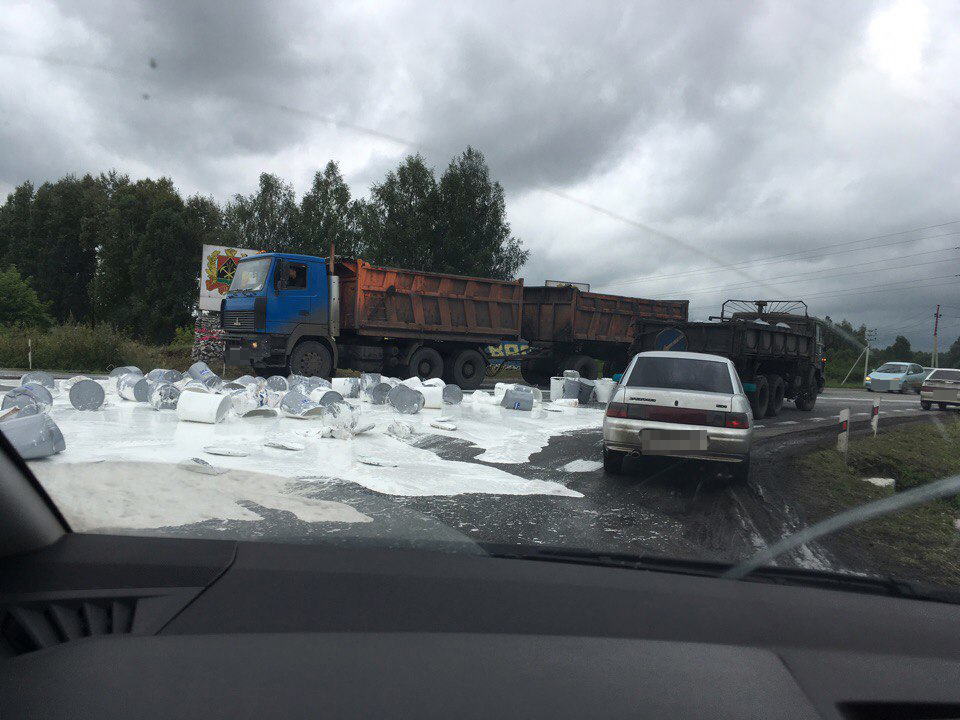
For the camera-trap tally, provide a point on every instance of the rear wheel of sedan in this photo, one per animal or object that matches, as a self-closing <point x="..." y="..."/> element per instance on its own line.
<point x="741" y="471"/>
<point x="775" y="403"/>
<point x="942" y="406"/>
<point x="613" y="461"/>
<point x="926" y="405"/>
<point x="760" y="397"/>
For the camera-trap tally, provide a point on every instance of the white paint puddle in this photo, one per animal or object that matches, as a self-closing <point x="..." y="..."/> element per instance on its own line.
<point x="881" y="482"/>
<point x="578" y="466"/>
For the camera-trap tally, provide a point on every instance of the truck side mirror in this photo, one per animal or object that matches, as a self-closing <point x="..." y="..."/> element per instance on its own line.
<point x="279" y="280"/>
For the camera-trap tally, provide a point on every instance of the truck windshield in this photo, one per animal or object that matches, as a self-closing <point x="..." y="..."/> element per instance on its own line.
<point x="251" y="274"/>
<point x="891" y="368"/>
<point x="681" y="374"/>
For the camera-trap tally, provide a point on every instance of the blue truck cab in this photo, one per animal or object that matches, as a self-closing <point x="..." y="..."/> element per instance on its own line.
<point x="282" y="310"/>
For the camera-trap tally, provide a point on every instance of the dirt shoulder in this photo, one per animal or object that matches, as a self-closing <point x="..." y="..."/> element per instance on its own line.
<point x="920" y="543"/>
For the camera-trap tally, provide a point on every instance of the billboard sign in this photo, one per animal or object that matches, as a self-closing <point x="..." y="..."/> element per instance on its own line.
<point x="217" y="268"/>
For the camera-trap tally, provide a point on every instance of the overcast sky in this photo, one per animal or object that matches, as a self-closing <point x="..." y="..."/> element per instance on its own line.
<point x="637" y="142"/>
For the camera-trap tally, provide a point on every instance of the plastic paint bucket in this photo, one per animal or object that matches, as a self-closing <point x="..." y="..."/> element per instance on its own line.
<point x="571" y="388"/>
<point x="368" y="381"/>
<point x="556" y="387"/>
<point x="412" y="382"/>
<point x="163" y="396"/>
<point x="86" y="395"/>
<point x="31" y="394"/>
<point x="40" y="378"/>
<point x="123" y="370"/>
<point x="405" y="399"/>
<point x="452" y="395"/>
<point x="566" y="402"/>
<point x="203" y="407"/>
<point x="432" y="396"/>
<point x="518" y="397"/>
<point x="33" y="436"/>
<point x="434" y="382"/>
<point x="133" y="387"/>
<point x="298" y="405"/>
<point x="571" y="374"/>
<point x="349" y="387"/>
<point x="586" y="390"/>
<point x="604" y="389"/>
<point x="378" y="393"/>
<point x="323" y="396"/>
<point x="200" y="371"/>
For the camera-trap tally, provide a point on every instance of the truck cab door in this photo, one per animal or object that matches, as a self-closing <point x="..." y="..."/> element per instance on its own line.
<point x="289" y="300"/>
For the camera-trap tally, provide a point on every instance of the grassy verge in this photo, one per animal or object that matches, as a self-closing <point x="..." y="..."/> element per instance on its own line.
<point x="920" y="543"/>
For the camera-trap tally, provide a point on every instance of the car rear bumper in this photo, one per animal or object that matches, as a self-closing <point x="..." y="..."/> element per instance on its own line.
<point x="723" y="444"/>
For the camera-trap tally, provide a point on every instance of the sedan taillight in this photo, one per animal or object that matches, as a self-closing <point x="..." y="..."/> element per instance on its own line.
<point x="617" y="410"/>
<point x="737" y="421"/>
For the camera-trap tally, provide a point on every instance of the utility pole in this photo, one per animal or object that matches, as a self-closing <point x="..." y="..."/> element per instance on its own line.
<point x="871" y="337"/>
<point x="936" y="324"/>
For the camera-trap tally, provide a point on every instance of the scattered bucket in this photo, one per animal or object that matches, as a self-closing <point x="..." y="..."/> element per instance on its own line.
<point x="571" y="374"/>
<point x="571" y="388"/>
<point x="40" y="378"/>
<point x="201" y="371"/>
<point x="203" y="407"/>
<point x="566" y="402"/>
<point x="556" y="387"/>
<point x="379" y="392"/>
<point x="86" y="395"/>
<point x="604" y="390"/>
<point x="349" y="387"/>
<point x="405" y="399"/>
<point x="432" y="396"/>
<point x="322" y="396"/>
<point x="368" y="381"/>
<point x="298" y="405"/>
<point x="518" y="397"/>
<point x="124" y="369"/>
<point x="163" y="396"/>
<point x="167" y="376"/>
<point x="434" y="382"/>
<point x="133" y="387"/>
<point x="33" y="436"/>
<point x="278" y="383"/>
<point x="31" y="394"/>
<point x="452" y="395"/>
<point x="70" y="382"/>
<point x="585" y="393"/>
<point x="412" y="382"/>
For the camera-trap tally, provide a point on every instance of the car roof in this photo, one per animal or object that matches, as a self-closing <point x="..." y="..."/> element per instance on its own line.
<point x="687" y="355"/>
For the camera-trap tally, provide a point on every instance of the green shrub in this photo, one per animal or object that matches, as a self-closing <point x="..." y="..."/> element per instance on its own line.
<point x="19" y="304"/>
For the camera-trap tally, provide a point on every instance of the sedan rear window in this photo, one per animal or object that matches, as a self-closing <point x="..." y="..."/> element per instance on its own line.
<point x="944" y="375"/>
<point x="681" y="374"/>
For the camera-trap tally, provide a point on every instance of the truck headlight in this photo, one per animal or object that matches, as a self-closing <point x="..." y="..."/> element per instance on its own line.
<point x="253" y="345"/>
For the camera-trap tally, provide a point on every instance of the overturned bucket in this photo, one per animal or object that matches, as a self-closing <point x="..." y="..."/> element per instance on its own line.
<point x="378" y="393"/>
<point x="40" y="378"/>
<point x="167" y="376"/>
<point x="452" y="395"/>
<point x="201" y="371"/>
<point x="133" y="387"/>
<point x="278" y="383"/>
<point x="298" y="405"/>
<point x="432" y="396"/>
<point x="405" y="399"/>
<point x="518" y="397"/>
<point x="349" y="387"/>
<point x="202" y="407"/>
<point x="31" y="394"/>
<point x="163" y="396"/>
<point x="33" y="436"/>
<point x="86" y="395"/>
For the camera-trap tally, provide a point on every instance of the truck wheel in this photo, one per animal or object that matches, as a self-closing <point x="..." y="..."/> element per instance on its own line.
<point x="311" y="358"/>
<point x="425" y="363"/>
<point x="926" y="405"/>
<point x="583" y="365"/>
<point x="468" y="369"/>
<point x="533" y="372"/>
<point x="760" y="398"/>
<point x="775" y="404"/>
<point x="613" y="461"/>
<point x="821" y="384"/>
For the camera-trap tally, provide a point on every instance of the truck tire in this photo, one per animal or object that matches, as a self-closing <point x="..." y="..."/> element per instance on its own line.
<point x="775" y="404"/>
<point x="310" y="357"/>
<point x="807" y="394"/>
<point x="760" y="398"/>
<point x="467" y="369"/>
<point x="583" y="365"/>
<point x="614" y="367"/>
<point x="821" y="384"/>
<point x="425" y="363"/>
<point x="535" y="372"/>
<point x="926" y="405"/>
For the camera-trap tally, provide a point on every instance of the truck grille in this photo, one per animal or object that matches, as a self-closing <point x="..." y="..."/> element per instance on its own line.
<point x="237" y="320"/>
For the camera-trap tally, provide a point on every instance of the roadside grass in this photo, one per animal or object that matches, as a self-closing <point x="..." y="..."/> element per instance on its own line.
<point x="919" y="543"/>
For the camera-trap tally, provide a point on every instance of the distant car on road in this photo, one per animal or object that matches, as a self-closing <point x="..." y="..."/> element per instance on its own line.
<point x="895" y="377"/>
<point x="679" y="404"/>
<point x="941" y="387"/>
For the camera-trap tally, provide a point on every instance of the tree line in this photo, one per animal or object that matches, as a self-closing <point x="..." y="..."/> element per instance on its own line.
<point x="109" y="249"/>
<point x="843" y="343"/>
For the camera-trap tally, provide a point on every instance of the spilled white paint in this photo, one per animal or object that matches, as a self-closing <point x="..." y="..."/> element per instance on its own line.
<point x="578" y="466"/>
<point x="139" y="495"/>
<point x="124" y="432"/>
<point x="881" y="482"/>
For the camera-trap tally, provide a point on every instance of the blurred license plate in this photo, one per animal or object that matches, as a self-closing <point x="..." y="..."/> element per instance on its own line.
<point x="672" y="442"/>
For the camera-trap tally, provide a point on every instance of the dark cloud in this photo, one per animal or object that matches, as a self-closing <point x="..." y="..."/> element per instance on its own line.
<point x="728" y="132"/>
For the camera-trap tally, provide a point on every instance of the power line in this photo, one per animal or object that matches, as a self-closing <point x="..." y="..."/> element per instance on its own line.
<point x="776" y="258"/>
<point x="822" y="277"/>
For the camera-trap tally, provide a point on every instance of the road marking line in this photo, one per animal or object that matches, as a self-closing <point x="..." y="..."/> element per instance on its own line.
<point x="817" y="419"/>
<point x="757" y="427"/>
<point x="788" y="422"/>
<point x="866" y="414"/>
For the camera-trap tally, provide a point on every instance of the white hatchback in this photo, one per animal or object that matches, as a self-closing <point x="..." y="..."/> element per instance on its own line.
<point x="679" y="404"/>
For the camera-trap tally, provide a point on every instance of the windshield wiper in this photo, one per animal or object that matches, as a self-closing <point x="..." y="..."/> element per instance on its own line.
<point x="824" y="579"/>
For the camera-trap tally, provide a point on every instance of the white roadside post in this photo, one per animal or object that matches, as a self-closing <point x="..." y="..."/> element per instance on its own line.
<point x="875" y="416"/>
<point x="843" y="432"/>
<point x="30" y="353"/>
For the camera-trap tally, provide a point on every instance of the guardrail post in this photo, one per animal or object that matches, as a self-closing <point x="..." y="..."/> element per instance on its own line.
<point x="843" y="433"/>
<point x="875" y="416"/>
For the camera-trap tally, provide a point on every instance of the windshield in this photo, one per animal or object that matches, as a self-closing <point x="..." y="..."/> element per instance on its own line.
<point x="681" y="374"/>
<point x="251" y="275"/>
<point x="607" y="276"/>
<point x="891" y="368"/>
